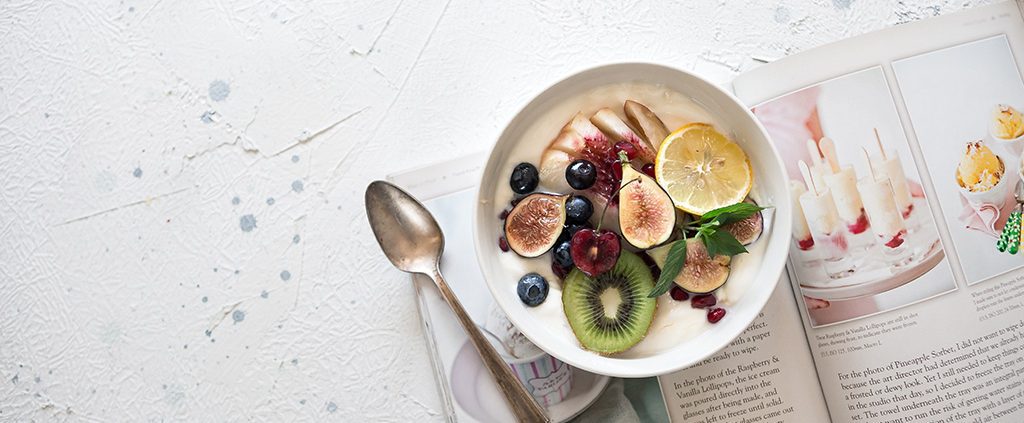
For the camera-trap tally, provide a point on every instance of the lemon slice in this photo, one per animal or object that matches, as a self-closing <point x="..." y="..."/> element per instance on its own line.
<point x="702" y="170"/>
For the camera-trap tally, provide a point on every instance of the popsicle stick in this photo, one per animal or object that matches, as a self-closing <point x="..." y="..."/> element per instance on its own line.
<point x="828" y="149"/>
<point x="806" y="172"/>
<point x="812" y="150"/>
<point x="867" y="158"/>
<point x="878" y="141"/>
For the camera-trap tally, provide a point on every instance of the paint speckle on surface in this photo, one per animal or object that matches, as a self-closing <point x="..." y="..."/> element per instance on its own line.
<point x="297" y="186"/>
<point x="219" y="90"/>
<point x="782" y="14"/>
<point x="106" y="181"/>
<point x="296" y="239"/>
<point x="270" y="201"/>
<point x="295" y="362"/>
<point x="137" y="172"/>
<point x="285" y="275"/>
<point x="295" y="158"/>
<point x="302" y="401"/>
<point x="264" y="294"/>
<point x="207" y="116"/>
<point x="236" y="200"/>
<point x="238" y="316"/>
<point x="247" y="223"/>
<point x="14" y="379"/>
<point x="332" y="407"/>
<point x="842" y="4"/>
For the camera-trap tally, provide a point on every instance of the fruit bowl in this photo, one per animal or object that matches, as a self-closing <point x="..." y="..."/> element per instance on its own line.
<point x="753" y="276"/>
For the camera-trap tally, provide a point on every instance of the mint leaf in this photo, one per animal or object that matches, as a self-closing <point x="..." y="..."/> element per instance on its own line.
<point x="721" y="243"/>
<point x="730" y="214"/>
<point x="673" y="265"/>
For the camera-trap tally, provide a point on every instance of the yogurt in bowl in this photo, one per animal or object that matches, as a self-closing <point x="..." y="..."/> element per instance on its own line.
<point x="679" y="334"/>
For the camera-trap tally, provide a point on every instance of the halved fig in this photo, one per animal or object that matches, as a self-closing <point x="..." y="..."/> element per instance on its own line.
<point x="701" y="273"/>
<point x="608" y="122"/>
<point x="533" y="225"/>
<point x="646" y="122"/>
<point x="647" y="215"/>
<point x="747" y="230"/>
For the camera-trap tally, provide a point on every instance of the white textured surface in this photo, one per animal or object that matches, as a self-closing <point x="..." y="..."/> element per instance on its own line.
<point x="129" y="287"/>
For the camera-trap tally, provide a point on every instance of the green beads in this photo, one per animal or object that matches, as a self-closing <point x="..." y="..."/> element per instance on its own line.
<point x="1010" y="239"/>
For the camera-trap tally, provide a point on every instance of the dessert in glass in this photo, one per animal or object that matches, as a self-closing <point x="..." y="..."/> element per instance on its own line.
<point x="888" y="165"/>
<point x="886" y="219"/>
<point x="1007" y="129"/>
<point x="843" y="185"/>
<point x="979" y="175"/>
<point x="827" y="230"/>
<point x="801" y="233"/>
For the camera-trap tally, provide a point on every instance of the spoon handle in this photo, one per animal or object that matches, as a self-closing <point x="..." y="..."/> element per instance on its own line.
<point x="522" y="403"/>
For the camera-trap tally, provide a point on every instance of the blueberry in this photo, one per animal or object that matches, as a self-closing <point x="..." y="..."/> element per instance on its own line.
<point x="581" y="174"/>
<point x="524" y="178"/>
<point x="561" y="254"/>
<point x="578" y="209"/>
<point x="569" y="230"/>
<point x="532" y="289"/>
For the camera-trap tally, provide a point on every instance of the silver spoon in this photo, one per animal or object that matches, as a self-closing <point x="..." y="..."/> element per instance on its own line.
<point x="412" y="240"/>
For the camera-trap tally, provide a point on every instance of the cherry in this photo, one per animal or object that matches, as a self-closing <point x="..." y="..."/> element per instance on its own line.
<point x="716" y="314"/>
<point x="648" y="169"/>
<point x="703" y="301"/>
<point x="595" y="251"/>
<point x="626" y="147"/>
<point x="678" y="294"/>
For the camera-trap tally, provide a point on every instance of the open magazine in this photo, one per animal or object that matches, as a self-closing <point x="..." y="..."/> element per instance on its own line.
<point x="903" y="299"/>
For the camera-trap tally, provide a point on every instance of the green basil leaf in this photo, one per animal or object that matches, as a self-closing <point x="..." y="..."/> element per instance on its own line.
<point x="722" y="243"/>
<point x="730" y="214"/>
<point x="673" y="265"/>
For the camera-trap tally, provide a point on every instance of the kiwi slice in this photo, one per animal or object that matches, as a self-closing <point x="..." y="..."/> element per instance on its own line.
<point x="610" y="313"/>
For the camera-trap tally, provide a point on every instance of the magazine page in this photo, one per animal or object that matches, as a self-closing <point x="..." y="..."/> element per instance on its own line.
<point x="904" y="148"/>
<point x="766" y="375"/>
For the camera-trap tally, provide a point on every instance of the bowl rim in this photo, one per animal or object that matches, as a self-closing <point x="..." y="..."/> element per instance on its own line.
<point x="771" y="267"/>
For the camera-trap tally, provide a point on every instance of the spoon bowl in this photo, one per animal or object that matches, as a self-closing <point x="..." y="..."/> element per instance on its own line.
<point x="410" y="237"/>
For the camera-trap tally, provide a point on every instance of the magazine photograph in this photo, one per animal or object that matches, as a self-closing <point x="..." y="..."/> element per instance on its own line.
<point x="545" y="212"/>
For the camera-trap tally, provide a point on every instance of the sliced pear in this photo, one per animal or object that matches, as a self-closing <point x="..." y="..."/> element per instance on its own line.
<point x="608" y="122"/>
<point x="646" y="122"/>
<point x="647" y="216"/>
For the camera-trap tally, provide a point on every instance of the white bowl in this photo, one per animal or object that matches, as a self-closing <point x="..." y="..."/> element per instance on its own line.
<point x="770" y="187"/>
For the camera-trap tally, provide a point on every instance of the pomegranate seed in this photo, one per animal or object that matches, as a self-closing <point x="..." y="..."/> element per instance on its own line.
<point x="627" y="148"/>
<point x="703" y="301"/>
<point x="503" y="244"/>
<point x="648" y="169"/>
<point x="503" y="215"/>
<point x="678" y="294"/>
<point x="617" y="170"/>
<point x="559" y="271"/>
<point x="716" y="314"/>
<point x="515" y="201"/>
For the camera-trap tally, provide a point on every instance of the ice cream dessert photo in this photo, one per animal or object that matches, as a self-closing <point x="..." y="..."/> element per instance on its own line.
<point x="971" y="133"/>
